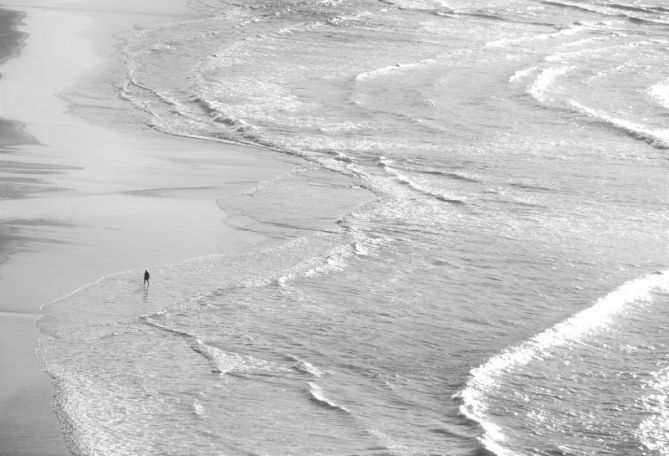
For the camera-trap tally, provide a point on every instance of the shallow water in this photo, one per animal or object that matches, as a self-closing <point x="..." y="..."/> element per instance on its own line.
<point x="464" y="261"/>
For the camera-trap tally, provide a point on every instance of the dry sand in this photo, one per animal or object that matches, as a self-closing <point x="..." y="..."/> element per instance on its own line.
<point x="89" y="200"/>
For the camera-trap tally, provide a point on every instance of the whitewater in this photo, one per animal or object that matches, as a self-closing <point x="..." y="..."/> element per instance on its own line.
<point x="469" y="256"/>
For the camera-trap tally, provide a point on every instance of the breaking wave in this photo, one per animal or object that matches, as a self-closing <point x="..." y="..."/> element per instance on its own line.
<point x="484" y="380"/>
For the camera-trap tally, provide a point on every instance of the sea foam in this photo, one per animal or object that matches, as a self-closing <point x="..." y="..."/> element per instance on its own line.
<point x="660" y="93"/>
<point x="546" y="79"/>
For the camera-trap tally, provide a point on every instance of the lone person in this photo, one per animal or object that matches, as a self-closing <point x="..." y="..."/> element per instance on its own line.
<point x="147" y="276"/>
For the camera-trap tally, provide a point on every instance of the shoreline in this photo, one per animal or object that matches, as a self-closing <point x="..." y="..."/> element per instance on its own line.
<point x="88" y="199"/>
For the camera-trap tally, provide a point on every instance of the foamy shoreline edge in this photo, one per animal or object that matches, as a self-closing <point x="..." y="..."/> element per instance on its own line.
<point x="28" y="424"/>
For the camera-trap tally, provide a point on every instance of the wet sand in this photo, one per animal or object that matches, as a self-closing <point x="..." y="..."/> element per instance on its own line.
<point x="80" y="200"/>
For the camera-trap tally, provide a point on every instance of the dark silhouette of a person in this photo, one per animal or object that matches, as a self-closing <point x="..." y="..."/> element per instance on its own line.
<point x="147" y="276"/>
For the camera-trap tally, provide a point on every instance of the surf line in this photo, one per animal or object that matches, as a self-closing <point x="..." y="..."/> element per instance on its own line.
<point x="485" y="378"/>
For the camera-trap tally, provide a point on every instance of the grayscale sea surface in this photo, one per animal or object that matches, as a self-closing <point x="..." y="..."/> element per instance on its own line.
<point x="471" y="259"/>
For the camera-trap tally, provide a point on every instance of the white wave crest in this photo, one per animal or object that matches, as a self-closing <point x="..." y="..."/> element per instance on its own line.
<point x="653" y="136"/>
<point x="522" y="74"/>
<point x="425" y="190"/>
<point x="545" y="80"/>
<point x="228" y="362"/>
<point x="660" y="93"/>
<point x="305" y="367"/>
<point x="317" y="395"/>
<point x="484" y="379"/>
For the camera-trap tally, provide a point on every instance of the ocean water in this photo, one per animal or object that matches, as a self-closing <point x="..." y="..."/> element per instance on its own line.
<point x="470" y="259"/>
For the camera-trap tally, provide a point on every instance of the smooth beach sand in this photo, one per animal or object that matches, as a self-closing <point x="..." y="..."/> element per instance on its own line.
<point x="80" y="200"/>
